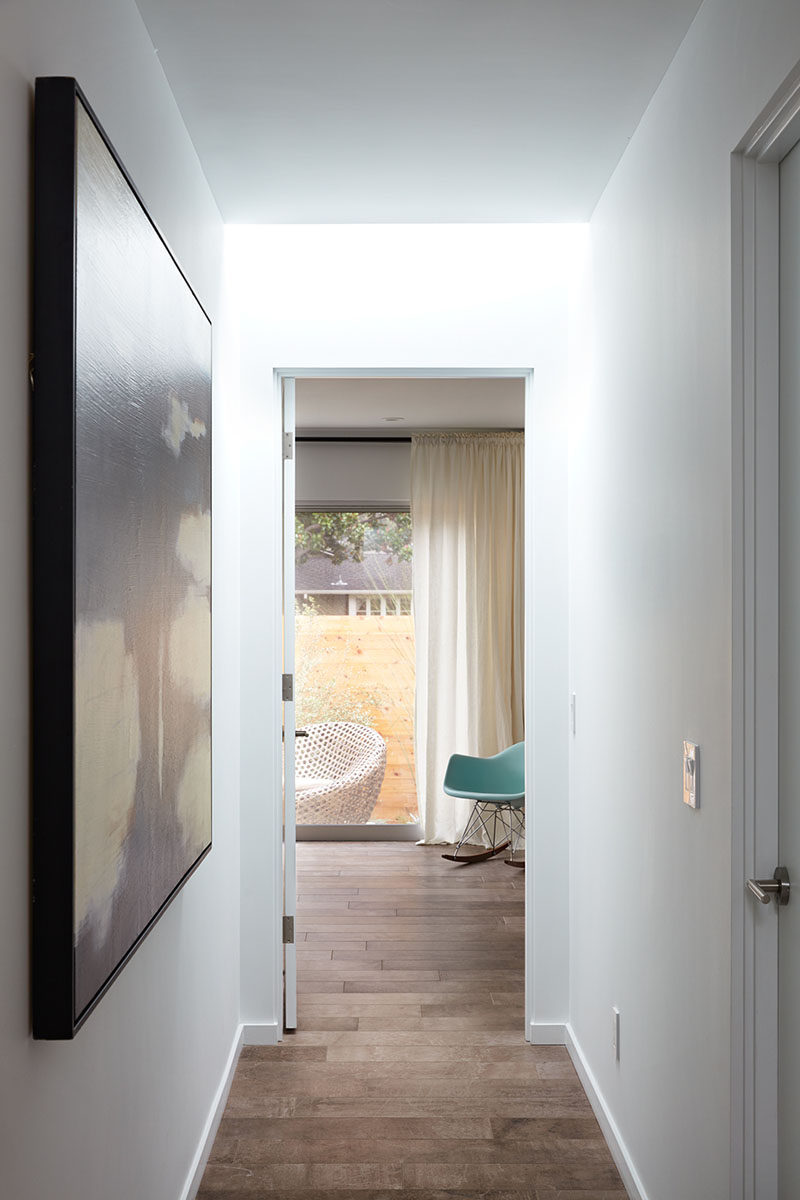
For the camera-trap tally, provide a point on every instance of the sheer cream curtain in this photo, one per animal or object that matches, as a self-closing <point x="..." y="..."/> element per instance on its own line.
<point x="467" y="496"/>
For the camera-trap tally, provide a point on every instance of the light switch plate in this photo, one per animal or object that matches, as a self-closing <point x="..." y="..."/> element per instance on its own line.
<point x="691" y="774"/>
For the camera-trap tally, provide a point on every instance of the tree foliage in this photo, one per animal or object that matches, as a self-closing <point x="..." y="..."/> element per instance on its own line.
<point x="343" y="536"/>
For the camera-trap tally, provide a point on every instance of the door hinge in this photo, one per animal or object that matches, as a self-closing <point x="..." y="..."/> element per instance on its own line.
<point x="288" y="446"/>
<point x="288" y="931"/>
<point x="287" y="687"/>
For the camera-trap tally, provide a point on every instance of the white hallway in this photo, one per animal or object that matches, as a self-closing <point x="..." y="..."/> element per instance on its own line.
<point x="625" y="318"/>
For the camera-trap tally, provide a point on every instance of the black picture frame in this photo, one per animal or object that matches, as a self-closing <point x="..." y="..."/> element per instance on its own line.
<point x="148" y="567"/>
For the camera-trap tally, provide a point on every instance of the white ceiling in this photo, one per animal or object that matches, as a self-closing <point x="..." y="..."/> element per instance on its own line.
<point x="360" y="405"/>
<point x="412" y="110"/>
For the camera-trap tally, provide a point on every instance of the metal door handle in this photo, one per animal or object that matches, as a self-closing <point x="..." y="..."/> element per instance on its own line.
<point x="761" y="888"/>
<point x="778" y="887"/>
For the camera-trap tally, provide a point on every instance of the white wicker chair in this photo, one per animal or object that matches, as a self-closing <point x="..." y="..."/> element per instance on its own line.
<point x="340" y="768"/>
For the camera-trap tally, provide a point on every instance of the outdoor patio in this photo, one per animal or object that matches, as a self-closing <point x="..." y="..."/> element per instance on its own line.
<point x="361" y="668"/>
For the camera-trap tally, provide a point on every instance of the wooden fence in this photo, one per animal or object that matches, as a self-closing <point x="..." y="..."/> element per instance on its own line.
<point x="363" y="668"/>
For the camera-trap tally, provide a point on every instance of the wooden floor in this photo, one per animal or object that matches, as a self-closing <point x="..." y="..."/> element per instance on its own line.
<point x="409" y="1075"/>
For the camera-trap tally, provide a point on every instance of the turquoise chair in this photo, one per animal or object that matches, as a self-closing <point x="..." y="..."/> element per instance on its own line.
<point x="497" y="785"/>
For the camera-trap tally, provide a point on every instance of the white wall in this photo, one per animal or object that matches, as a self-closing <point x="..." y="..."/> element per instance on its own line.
<point x="404" y="297"/>
<point x="118" y="1112"/>
<point x="650" y="548"/>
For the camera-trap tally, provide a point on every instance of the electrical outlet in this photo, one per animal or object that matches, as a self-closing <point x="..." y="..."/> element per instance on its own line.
<point x="615" y="1031"/>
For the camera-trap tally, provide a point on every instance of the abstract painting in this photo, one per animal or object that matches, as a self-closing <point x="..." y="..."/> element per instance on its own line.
<point x="122" y="541"/>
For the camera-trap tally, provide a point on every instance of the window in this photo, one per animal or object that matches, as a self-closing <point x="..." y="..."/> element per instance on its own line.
<point x="355" y="650"/>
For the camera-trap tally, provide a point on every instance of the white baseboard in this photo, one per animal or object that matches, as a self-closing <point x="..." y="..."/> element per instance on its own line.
<point x="619" y="1151"/>
<point x="542" y="1034"/>
<point x="261" y="1035"/>
<point x="192" y="1185"/>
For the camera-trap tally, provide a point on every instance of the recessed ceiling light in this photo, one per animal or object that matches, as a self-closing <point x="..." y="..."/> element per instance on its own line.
<point x="393" y="418"/>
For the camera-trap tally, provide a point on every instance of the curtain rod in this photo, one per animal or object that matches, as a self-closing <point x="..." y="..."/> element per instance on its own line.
<point x="300" y="438"/>
<point x="358" y="438"/>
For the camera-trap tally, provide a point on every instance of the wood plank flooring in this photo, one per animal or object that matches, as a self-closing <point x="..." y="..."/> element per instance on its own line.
<point x="409" y="1075"/>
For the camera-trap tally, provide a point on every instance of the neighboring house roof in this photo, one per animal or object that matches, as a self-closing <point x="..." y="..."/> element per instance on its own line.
<point x="376" y="573"/>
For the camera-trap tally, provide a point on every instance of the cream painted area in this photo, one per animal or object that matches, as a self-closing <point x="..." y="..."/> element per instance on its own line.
<point x="650" y="620"/>
<point x="107" y="752"/>
<point x="190" y="671"/>
<point x="194" y="781"/>
<point x="121" y="1111"/>
<point x="181" y="424"/>
<point x="194" y="545"/>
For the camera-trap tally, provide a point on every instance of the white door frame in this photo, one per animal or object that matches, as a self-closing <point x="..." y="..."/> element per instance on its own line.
<point x="289" y="838"/>
<point x="754" y="710"/>
<point x="526" y="374"/>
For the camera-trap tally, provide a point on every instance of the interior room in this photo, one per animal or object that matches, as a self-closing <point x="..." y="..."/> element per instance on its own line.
<point x="598" y="198"/>
<point x="353" y="459"/>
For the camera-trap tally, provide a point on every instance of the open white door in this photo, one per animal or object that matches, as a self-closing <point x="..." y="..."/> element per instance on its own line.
<point x="765" y="1083"/>
<point x="787" y="858"/>
<point x="289" y="823"/>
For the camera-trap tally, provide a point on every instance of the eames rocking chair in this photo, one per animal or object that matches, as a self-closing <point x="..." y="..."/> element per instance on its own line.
<point x="497" y="785"/>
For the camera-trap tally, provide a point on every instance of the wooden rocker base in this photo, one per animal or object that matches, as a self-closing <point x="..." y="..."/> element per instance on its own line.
<point x="481" y="856"/>
<point x="515" y="862"/>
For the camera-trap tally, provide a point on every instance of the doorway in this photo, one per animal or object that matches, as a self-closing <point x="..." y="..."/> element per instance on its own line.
<point x="474" y="404"/>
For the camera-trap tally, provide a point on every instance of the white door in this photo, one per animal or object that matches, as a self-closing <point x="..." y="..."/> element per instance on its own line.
<point x="289" y="822"/>
<point x="788" y="916"/>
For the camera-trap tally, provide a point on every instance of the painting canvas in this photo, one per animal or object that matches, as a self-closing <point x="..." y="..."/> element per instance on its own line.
<point x="131" y="804"/>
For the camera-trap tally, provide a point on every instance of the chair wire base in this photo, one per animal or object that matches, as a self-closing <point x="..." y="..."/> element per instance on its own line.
<point x="483" y="816"/>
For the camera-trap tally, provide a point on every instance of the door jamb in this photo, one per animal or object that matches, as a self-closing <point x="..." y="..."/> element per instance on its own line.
<point x="527" y="375"/>
<point x="754" y="704"/>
